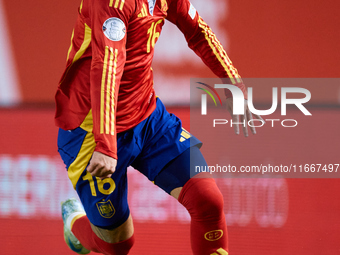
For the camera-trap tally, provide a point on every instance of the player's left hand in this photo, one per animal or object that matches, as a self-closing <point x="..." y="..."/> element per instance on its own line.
<point x="101" y="165"/>
<point x="242" y="118"/>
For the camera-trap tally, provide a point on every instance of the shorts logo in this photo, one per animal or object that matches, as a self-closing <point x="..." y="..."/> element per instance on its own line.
<point x="184" y="135"/>
<point x="213" y="235"/>
<point x="114" y="29"/>
<point x="106" y="209"/>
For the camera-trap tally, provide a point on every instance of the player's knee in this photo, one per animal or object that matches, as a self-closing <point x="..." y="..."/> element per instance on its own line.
<point x="120" y="248"/>
<point x="202" y="198"/>
<point x="212" y="204"/>
<point x="117" y="241"/>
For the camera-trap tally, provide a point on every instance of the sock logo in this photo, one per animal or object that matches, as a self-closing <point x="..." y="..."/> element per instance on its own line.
<point x="220" y="251"/>
<point x="213" y="235"/>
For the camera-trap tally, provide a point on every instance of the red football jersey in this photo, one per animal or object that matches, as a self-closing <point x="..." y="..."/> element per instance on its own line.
<point x="108" y="72"/>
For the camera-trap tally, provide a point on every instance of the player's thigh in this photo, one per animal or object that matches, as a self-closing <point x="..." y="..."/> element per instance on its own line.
<point x="175" y="192"/>
<point x="161" y="138"/>
<point x="179" y="170"/>
<point x="104" y="200"/>
<point x="118" y="234"/>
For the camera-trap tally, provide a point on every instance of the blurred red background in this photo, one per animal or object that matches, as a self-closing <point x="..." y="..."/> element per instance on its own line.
<point x="270" y="38"/>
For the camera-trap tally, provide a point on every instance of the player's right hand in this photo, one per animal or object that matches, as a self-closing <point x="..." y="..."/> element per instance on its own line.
<point x="101" y="165"/>
<point x="244" y="118"/>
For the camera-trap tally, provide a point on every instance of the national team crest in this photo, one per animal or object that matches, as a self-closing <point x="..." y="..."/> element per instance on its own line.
<point x="106" y="209"/>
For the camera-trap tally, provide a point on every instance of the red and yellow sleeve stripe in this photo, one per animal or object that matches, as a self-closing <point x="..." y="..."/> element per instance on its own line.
<point x="107" y="98"/>
<point x="219" y="52"/>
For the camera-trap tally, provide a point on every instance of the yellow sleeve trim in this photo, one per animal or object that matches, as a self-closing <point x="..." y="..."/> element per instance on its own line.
<point x="219" y="52"/>
<point x="107" y="100"/>
<point x="102" y="93"/>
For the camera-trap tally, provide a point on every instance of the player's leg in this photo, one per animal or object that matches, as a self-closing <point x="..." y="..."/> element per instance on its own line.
<point x="165" y="159"/>
<point x="83" y="237"/>
<point x="201" y="197"/>
<point x="116" y="235"/>
<point x="106" y="241"/>
<point x="107" y="226"/>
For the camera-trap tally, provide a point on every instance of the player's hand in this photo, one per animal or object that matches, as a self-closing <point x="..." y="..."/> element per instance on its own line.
<point x="242" y="118"/>
<point x="101" y="165"/>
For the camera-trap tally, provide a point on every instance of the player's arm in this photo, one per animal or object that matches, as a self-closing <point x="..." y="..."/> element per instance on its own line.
<point x="204" y="43"/>
<point x="108" y="42"/>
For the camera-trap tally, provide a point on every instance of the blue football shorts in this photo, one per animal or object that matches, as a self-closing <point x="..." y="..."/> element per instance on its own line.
<point x="157" y="143"/>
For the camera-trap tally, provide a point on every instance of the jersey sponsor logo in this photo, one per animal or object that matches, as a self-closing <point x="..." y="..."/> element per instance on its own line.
<point x="213" y="235"/>
<point x="192" y="11"/>
<point x="106" y="209"/>
<point x="151" y="6"/>
<point x="114" y="29"/>
<point x="143" y="12"/>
